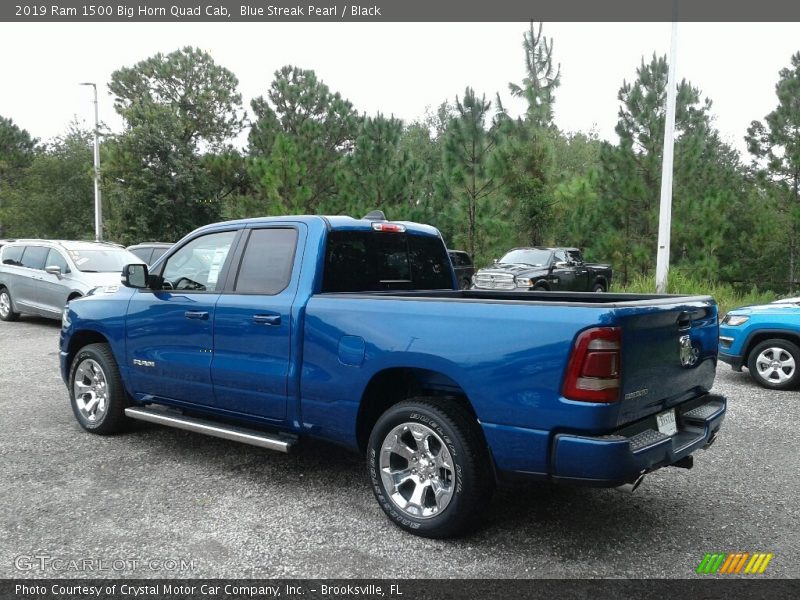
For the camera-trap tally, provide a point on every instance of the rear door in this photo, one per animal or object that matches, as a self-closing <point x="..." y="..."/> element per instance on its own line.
<point x="170" y="331"/>
<point x="29" y="288"/>
<point x="580" y="281"/>
<point x="253" y="323"/>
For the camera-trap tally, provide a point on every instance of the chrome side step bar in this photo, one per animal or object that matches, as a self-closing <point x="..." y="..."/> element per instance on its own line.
<point x="220" y="430"/>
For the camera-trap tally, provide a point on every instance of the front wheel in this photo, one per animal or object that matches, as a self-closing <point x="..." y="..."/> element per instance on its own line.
<point x="429" y="467"/>
<point x="96" y="392"/>
<point x="773" y="364"/>
<point x="599" y="287"/>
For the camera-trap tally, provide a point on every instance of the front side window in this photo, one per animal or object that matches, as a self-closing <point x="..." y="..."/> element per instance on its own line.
<point x="55" y="259"/>
<point x="34" y="257"/>
<point x="197" y="265"/>
<point x="575" y="256"/>
<point x="267" y="262"/>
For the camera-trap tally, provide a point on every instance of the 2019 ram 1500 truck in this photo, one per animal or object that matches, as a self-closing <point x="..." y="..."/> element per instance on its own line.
<point x="272" y="330"/>
<point x="544" y="269"/>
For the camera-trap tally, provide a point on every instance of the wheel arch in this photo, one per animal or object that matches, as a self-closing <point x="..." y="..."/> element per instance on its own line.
<point x="755" y="338"/>
<point x="83" y="338"/>
<point x="395" y="384"/>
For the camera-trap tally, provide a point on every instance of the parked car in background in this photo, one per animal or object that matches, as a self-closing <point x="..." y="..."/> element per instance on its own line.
<point x="149" y="252"/>
<point x="39" y="277"/>
<point x="4" y="242"/>
<point x="544" y="269"/>
<point x="765" y="339"/>
<point x="462" y="265"/>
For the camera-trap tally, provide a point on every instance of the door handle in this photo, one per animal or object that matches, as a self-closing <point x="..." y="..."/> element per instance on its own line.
<point x="267" y="319"/>
<point x="196" y="314"/>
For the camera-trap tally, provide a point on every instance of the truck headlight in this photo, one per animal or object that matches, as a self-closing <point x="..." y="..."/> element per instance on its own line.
<point x="734" y="320"/>
<point x="524" y="282"/>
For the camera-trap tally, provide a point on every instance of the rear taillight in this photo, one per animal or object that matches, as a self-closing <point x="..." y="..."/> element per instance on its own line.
<point x="594" y="366"/>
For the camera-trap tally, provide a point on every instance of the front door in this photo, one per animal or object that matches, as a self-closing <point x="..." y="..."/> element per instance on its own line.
<point x="253" y="324"/>
<point x="170" y="330"/>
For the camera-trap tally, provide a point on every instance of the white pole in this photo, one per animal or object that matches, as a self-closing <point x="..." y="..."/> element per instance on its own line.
<point x="665" y="213"/>
<point x="98" y="205"/>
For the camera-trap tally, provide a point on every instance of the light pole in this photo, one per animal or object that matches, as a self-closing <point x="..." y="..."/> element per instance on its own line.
<point x="98" y="206"/>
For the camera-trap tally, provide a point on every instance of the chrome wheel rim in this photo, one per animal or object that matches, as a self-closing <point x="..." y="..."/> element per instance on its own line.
<point x="417" y="470"/>
<point x="90" y="390"/>
<point x="775" y="365"/>
<point x="5" y="304"/>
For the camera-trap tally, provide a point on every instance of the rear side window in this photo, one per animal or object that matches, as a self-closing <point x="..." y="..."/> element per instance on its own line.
<point x="34" y="257"/>
<point x="267" y="261"/>
<point x="361" y="261"/>
<point x="12" y="255"/>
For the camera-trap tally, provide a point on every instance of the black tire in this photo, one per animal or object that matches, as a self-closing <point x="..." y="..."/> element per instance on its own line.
<point x="469" y="480"/>
<point x="7" y="306"/>
<point x="114" y="399"/>
<point x="774" y="364"/>
<point x="599" y="287"/>
<point x="541" y="287"/>
<point x="465" y="284"/>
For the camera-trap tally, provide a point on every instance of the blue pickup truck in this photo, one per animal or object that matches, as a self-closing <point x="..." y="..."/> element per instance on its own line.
<point x="272" y="330"/>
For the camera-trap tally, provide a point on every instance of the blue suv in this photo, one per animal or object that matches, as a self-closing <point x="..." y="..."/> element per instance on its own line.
<point x="765" y="339"/>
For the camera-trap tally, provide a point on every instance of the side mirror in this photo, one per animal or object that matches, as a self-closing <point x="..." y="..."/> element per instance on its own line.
<point x="135" y="276"/>
<point x="560" y="264"/>
<point x="54" y="270"/>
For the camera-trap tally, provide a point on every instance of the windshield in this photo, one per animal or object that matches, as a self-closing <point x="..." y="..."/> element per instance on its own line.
<point x="103" y="260"/>
<point x="528" y="256"/>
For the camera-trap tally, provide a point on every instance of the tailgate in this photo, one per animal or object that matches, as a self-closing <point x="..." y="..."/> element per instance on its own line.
<point x="669" y="355"/>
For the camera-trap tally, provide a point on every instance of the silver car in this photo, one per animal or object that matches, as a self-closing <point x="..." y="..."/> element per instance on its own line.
<point x="39" y="277"/>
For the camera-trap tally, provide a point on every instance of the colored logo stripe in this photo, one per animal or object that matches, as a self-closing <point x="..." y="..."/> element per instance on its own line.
<point x="723" y="563"/>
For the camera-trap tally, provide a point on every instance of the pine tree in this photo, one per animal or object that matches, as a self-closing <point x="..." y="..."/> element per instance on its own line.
<point x="775" y="146"/>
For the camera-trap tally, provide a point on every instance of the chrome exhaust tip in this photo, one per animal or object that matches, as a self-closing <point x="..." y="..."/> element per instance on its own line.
<point x="630" y="487"/>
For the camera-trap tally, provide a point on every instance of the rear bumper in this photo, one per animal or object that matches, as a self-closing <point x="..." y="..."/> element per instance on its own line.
<point x="621" y="457"/>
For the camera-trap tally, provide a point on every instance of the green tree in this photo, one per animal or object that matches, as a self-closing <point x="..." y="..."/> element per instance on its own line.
<point x="17" y="151"/>
<point x="470" y="144"/>
<point x="178" y="109"/>
<point x="54" y="198"/>
<point x="525" y="160"/>
<point x="299" y="136"/>
<point x="626" y="217"/>
<point x="378" y="173"/>
<point x="775" y="146"/>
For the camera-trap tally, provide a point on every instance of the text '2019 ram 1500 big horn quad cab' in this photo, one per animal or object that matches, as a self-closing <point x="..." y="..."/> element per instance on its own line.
<point x="272" y="330"/>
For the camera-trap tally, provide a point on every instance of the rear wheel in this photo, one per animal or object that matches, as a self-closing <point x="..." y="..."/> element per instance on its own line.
<point x="7" y="307"/>
<point x="429" y="467"/>
<point x="96" y="392"/>
<point x="773" y="364"/>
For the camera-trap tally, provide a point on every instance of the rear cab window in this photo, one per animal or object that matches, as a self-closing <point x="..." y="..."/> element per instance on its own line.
<point x="364" y="261"/>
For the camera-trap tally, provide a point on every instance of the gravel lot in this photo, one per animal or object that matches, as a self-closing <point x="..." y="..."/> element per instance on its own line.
<point x="238" y="511"/>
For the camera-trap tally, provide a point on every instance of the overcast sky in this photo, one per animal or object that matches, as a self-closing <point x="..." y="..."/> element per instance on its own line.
<point x="398" y="68"/>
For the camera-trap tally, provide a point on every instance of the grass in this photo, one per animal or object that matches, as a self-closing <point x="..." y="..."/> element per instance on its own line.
<point x="679" y="282"/>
